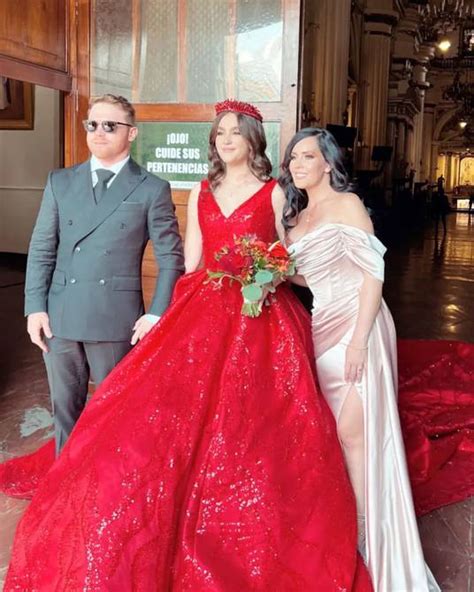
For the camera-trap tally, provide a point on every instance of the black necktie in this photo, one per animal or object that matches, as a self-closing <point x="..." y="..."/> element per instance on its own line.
<point x="103" y="177"/>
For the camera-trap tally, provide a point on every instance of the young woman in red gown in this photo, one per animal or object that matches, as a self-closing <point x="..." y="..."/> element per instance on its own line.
<point x="207" y="460"/>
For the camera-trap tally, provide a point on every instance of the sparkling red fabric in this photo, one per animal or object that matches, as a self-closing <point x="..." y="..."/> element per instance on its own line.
<point x="207" y="460"/>
<point x="436" y="404"/>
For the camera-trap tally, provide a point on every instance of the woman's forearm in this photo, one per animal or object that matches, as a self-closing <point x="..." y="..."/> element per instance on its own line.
<point x="369" y="305"/>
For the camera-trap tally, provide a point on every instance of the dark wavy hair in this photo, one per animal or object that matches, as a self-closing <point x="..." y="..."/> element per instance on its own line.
<point x="297" y="199"/>
<point x="258" y="162"/>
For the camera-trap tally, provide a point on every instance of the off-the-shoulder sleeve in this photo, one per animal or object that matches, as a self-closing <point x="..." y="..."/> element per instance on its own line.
<point x="365" y="250"/>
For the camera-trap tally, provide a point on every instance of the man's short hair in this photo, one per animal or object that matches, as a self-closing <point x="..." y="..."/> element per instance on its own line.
<point x="118" y="100"/>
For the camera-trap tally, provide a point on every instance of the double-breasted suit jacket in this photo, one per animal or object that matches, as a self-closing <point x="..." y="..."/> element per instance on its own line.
<point x="84" y="263"/>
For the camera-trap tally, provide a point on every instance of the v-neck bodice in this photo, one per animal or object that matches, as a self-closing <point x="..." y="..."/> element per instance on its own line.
<point x="252" y="217"/>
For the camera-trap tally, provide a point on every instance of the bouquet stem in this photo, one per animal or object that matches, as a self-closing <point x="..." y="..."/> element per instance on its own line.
<point x="251" y="309"/>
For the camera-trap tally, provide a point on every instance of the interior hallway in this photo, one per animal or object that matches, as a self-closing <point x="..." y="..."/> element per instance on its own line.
<point x="430" y="290"/>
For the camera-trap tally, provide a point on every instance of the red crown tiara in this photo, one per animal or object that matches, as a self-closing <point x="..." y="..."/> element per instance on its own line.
<point x="238" y="107"/>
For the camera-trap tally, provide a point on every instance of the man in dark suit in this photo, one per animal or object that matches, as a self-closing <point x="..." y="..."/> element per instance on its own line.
<point x="83" y="290"/>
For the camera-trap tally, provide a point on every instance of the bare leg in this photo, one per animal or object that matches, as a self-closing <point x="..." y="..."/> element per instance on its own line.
<point x="350" y="428"/>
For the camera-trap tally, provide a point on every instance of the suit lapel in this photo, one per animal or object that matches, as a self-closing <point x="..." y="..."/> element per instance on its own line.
<point x="126" y="181"/>
<point x="80" y="196"/>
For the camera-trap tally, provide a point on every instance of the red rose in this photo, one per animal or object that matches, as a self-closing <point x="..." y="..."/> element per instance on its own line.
<point x="233" y="263"/>
<point x="278" y="251"/>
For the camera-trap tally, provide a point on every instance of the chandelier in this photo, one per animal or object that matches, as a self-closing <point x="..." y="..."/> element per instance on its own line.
<point x="461" y="93"/>
<point x="439" y="18"/>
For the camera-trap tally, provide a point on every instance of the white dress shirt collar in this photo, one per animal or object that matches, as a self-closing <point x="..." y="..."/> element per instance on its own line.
<point x="115" y="168"/>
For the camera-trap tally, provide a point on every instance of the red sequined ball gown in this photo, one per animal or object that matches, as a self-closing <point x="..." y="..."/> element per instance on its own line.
<point x="207" y="460"/>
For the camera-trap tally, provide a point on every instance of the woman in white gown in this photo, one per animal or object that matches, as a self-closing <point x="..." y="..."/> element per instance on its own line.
<point x="341" y="261"/>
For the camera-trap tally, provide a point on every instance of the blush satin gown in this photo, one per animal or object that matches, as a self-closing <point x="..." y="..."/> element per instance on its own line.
<point x="207" y="461"/>
<point x="333" y="259"/>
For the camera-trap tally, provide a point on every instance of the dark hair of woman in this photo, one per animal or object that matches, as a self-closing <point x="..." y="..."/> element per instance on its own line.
<point x="258" y="162"/>
<point x="297" y="199"/>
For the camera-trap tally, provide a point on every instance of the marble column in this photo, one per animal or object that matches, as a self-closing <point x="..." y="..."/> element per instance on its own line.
<point x="410" y="147"/>
<point x="391" y="141"/>
<point x="444" y="167"/>
<point x="456" y="171"/>
<point x="434" y="170"/>
<point x="330" y="73"/>
<point x="426" y="144"/>
<point x="375" y="66"/>
<point x="423" y="56"/>
<point x="392" y="133"/>
<point x="401" y="158"/>
<point x="417" y="140"/>
<point x="441" y="167"/>
<point x="449" y="171"/>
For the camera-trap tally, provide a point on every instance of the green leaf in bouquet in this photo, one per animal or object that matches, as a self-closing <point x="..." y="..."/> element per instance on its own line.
<point x="263" y="277"/>
<point x="214" y="274"/>
<point x="252" y="292"/>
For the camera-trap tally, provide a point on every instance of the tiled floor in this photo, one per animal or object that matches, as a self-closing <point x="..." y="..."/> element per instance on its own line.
<point x="430" y="290"/>
<point x="430" y="281"/>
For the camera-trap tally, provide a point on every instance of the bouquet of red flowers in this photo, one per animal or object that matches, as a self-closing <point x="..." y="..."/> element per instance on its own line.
<point x="257" y="266"/>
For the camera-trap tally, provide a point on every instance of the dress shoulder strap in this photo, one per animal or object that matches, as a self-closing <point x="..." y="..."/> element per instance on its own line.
<point x="271" y="184"/>
<point x="205" y="185"/>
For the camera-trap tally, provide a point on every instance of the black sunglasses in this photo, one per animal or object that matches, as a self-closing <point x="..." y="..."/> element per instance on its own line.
<point x="108" y="126"/>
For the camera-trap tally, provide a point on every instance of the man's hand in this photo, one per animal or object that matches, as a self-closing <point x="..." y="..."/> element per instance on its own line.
<point x="144" y="324"/>
<point x="37" y="326"/>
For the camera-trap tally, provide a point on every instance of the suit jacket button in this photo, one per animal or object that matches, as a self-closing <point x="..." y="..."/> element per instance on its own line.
<point x="72" y="281"/>
<point x="102" y="282"/>
<point x="69" y="222"/>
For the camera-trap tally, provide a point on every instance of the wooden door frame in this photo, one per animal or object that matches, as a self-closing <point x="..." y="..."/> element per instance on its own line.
<point x="77" y="101"/>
